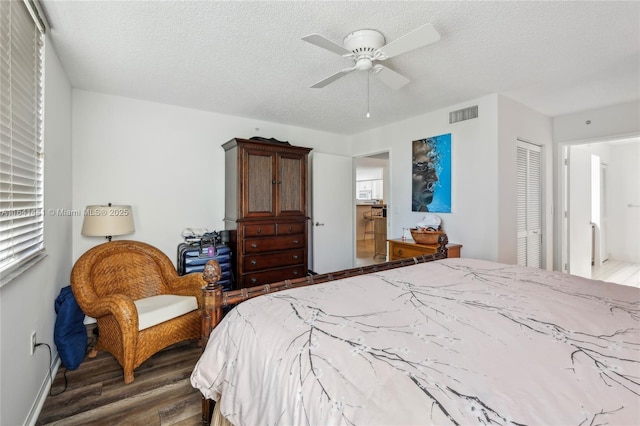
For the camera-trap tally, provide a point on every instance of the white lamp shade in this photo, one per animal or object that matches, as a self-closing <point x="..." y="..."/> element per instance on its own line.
<point x="107" y="221"/>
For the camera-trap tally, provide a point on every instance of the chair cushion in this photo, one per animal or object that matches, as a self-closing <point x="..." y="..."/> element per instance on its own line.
<point x="156" y="309"/>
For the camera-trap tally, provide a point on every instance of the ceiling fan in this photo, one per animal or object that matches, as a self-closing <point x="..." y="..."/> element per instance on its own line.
<point x="368" y="46"/>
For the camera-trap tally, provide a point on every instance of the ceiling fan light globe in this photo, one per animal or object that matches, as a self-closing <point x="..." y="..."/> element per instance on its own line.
<point x="363" y="64"/>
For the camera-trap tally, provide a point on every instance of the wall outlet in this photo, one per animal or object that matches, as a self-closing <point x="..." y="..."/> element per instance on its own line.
<point x="32" y="342"/>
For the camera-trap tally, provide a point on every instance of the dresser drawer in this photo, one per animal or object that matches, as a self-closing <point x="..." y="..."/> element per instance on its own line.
<point x="261" y="245"/>
<point x="286" y="228"/>
<point x="401" y="249"/>
<point x="258" y="262"/>
<point x="402" y="252"/>
<point x="273" y="276"/>
<point x="261" y="230"/>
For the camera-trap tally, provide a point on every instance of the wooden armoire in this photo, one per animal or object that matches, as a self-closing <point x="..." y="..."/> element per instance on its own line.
<point x="266" y="210"/>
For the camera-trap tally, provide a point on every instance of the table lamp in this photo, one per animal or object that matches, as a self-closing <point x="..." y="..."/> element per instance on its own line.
<point x="107" y="221"/>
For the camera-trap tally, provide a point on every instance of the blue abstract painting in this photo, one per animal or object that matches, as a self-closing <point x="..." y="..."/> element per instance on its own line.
<point x="431" y="174"/>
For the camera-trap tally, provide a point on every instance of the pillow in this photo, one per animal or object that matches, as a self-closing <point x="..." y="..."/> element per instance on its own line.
<point x="69" y="333"/>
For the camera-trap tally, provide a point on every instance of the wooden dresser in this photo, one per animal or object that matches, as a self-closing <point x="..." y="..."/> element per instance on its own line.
<point x="401" y="249"/>
<point x="265" y="210"/>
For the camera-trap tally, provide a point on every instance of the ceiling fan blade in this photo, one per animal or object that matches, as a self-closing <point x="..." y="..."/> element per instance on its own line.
<point x="320" y="41"/>
<point x="331" y="79"/>
<point x="419" y="37"/>
<point x="390" y="77"/>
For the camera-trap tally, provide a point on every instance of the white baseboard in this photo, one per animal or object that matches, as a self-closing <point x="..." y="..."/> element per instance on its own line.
<point x="34" y="413"/>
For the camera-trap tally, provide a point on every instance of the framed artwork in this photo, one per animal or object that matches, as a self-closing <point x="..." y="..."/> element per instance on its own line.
<point x="431" y="174"/>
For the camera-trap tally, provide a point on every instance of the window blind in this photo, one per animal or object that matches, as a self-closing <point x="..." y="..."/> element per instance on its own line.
<point x="21" y="145"/>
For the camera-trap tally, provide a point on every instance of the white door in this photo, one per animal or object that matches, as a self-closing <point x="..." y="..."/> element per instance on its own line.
<point x="332" y="204"/>
<point x="529" y="204"/>
<point x="604" y="249"/>
<point x="579" y="212"/>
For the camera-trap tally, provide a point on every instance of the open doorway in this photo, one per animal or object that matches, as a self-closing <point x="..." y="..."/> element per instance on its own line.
<point x="371" y="190"/>
<point x="601" y="228"/>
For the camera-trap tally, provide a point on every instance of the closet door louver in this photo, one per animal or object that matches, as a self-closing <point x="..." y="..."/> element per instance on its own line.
<point x="529" y="204"/>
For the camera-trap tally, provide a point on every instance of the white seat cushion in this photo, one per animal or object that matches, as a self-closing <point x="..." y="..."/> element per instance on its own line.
<point x="156" y="309"/>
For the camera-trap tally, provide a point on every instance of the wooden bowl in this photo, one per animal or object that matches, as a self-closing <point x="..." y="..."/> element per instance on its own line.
<point x="424" y="236"/>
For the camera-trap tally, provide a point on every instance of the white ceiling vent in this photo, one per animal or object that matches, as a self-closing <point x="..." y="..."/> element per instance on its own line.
<point x="463" y="114"/>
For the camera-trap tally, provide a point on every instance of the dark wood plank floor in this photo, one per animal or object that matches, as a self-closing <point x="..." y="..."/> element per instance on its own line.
<point x="96" y="394"/>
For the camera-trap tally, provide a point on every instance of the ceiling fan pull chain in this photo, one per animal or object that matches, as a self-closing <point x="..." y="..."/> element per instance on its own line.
<point x="368" y="80"/>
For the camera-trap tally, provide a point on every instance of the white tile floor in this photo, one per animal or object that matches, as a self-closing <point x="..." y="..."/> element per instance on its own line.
<point x="615" y="271"/>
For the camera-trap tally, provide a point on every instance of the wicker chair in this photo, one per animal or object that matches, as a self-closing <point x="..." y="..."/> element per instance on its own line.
<point x="110" y="280"/>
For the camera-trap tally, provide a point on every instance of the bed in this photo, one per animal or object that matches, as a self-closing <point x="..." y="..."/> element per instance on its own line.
<point x="450" y="341"/>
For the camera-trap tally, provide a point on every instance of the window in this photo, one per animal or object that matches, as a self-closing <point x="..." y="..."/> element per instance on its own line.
<point x="369" y="189"/>
<point x="21" y="154"/>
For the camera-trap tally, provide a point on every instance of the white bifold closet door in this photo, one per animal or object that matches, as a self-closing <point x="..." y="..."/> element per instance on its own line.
<point x="529" y="209"/>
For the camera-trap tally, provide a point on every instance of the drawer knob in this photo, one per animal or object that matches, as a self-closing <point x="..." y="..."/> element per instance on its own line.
<point x="253" y="280"/>
<point x="295" y="257"/>
<point x="295" y="241"/>
<point x="253" y="262"/>
<point x="290" y="228"/>
<point x="254" y="245"/>
<point x="259" y="230"/>
<point x="295" y="272"/>
<point x="400" y="251"/>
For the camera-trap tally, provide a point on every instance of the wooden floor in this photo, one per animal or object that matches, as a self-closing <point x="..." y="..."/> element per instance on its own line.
<point x="615" y="271"/>
<point x="364" y="252"/>
<point x="96" y="394"/>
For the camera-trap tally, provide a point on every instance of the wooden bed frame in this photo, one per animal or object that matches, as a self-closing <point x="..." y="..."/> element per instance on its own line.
<point x="215" y="299"/>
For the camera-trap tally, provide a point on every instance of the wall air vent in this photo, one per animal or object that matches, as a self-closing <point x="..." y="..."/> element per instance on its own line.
<point x="463" y="114"/>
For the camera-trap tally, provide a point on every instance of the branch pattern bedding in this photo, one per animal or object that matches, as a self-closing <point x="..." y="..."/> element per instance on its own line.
<point x="456" y="341"/>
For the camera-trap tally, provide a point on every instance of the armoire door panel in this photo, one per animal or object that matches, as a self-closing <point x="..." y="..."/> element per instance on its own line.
<point x="259" y="177"/>
<point x="290" y="189"/>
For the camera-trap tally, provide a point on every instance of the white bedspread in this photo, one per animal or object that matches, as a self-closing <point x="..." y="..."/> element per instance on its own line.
<point x="457" y="341"/>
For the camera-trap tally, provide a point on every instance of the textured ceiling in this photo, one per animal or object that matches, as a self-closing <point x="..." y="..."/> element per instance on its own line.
<point x="247" y="58"/>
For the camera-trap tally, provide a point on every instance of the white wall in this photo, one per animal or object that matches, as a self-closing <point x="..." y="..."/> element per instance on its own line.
<point x="517" y="121"/>
<point x="370" y="168"/>
<point x="165" y="161"/>
<point x="623" y="188"/>
<point x="27" y="302"/>
<point x="473" y="221"/>
<point x="483" y="217"/>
